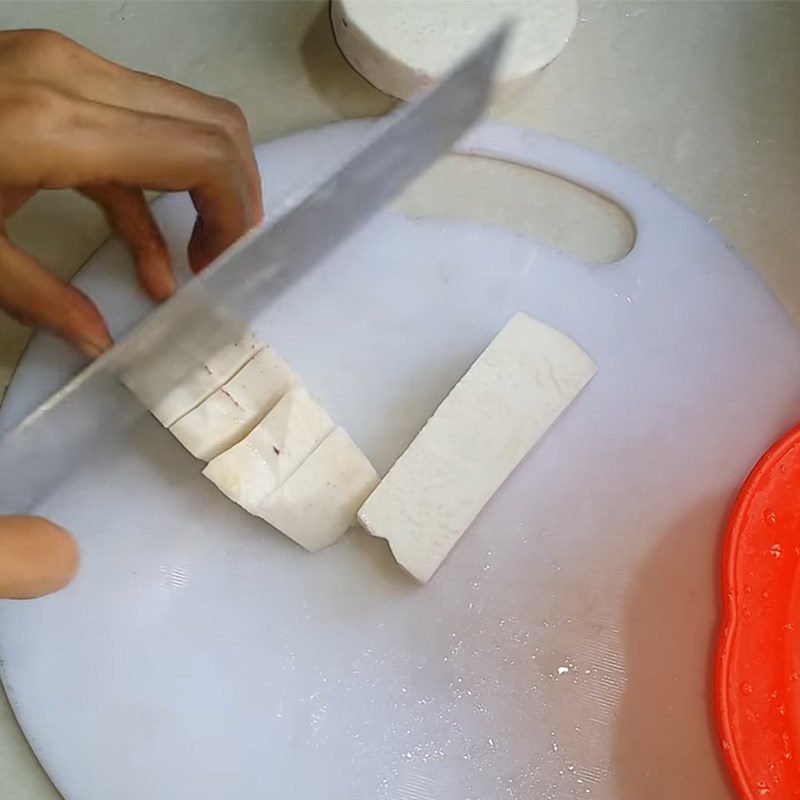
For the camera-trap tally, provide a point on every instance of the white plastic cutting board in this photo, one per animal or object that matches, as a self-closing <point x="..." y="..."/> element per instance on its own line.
<point x="563" y="649"/>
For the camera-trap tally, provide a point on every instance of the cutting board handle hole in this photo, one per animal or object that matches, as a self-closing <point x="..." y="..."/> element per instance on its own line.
<point x="547" y="207"/>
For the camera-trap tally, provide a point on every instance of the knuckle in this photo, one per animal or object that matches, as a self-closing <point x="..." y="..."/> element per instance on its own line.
<point x="33" y="119"/>
<point x="218" y="146"/>
<point x="44" y="48"/>
<point x="47" y="41"/>
<point x="43" y="55"/>
<point x="231" y="117"/>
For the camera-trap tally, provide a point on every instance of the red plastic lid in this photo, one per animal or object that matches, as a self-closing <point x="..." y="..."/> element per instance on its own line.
<point x="757" y="679"/>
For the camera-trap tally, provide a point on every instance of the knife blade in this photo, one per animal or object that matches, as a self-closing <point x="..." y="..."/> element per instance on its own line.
<point x="98" y="405"/>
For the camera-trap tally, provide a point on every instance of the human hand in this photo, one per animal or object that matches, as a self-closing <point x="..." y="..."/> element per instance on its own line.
<point x="36" y="557"/>
<point x="71" y="119"/>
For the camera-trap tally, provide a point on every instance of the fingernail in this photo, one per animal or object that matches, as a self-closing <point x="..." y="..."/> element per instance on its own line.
<point x="168" y="285"/>
<point x="91" y="348"/>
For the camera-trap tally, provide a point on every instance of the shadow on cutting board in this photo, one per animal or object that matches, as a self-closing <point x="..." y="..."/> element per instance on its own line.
<point x="666" y="744"/>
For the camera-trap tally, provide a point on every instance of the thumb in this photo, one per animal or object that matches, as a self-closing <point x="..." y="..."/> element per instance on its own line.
<point x="36" y="297"/>
<point x="36" y="557"/>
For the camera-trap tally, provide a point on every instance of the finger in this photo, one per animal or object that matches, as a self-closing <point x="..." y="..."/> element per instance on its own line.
<point x="36" y="297"/>
<point x="129" y="216"/>
<point x="92" y="144"/>
<point x="204" y="244"/>
<point x="150" y="93"/>
<point x="36" y="557"/>
<point x="51" y="58"/>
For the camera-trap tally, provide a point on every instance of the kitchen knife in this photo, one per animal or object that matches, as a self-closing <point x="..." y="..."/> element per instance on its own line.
<point x="94" y="408"/>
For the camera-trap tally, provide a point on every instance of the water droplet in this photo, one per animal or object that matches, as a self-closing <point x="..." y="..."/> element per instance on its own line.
<point x="747" y="689"/>
<point x="770" y="517"/>
<point x="563" y="670"/>
<point x="775" y="550"/>
<point x="794" y="677"/>
<point x="789" y="626"/>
